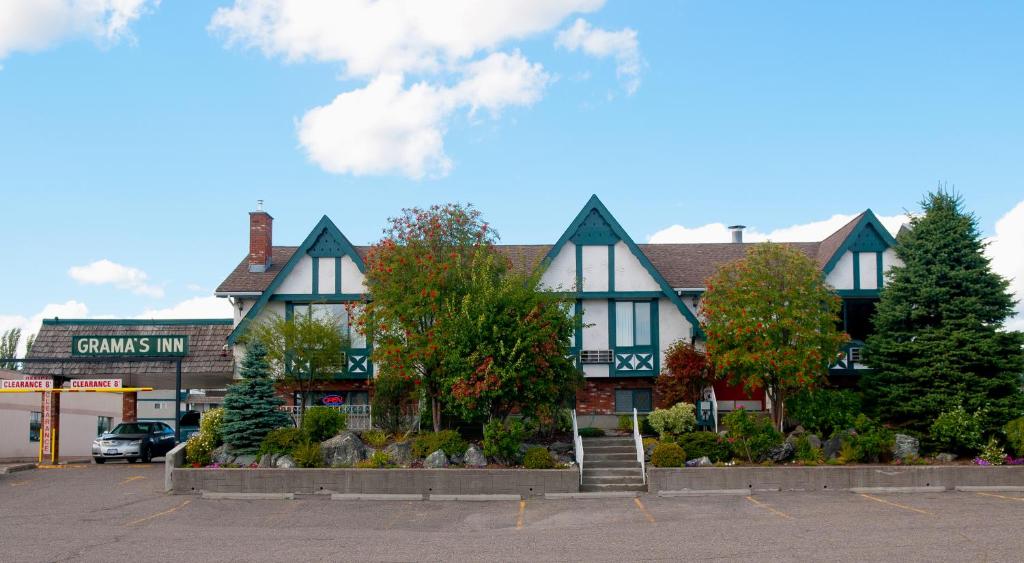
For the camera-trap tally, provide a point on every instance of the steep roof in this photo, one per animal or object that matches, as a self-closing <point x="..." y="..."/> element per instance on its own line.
<point x="690" y="265"/>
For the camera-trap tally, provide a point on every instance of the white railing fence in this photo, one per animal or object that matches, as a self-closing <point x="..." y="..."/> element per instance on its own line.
<point x="359" y="417"/>
<point x="577" y="443"/>
<point x="639" y="441"/>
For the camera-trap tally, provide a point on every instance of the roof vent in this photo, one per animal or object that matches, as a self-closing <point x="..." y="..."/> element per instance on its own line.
<point x="737" y="232"/>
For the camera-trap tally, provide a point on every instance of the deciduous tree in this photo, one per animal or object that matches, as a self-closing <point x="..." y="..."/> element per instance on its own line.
<point x="685" y="374"/>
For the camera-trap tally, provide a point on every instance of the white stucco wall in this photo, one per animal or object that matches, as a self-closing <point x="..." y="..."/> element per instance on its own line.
<point x="79" y="417"/>
<point x="351" y="278"/>
<point x="889" y="259"/>
<point x="596" y="370"/>
<point x="325" y="275"/>
<point x="868" y="270"/>
<point x="595" y="314"/>
<point x="561" y="273"/>
<point x="300" y="279"/>
<point x="841" y="276"/>
<point x="595" y="268"/>
<point x="672" y="326"/>
<point x="630" y="274"/>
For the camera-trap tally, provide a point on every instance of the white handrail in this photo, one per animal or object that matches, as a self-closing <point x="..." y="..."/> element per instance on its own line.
<point x="577" y="444"/>
<point x="714" y="408"/>
<point x="639" y="446"/>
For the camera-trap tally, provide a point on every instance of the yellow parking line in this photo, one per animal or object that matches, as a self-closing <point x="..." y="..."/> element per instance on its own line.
<point x="20" y="483"/>
<point x="1002" y="497"/>
<point x="769" y="508"/>
<point x="132" y="478"/>
<point x="152" y="516"/>
<point x="522" y="515"/>
<point x="640" y="505"/>
<point x="896" y="504"/>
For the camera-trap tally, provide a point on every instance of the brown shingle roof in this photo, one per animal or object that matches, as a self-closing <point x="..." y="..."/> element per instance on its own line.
<point x="831" y="244"/>
<point x="208" y="364"/>
<point x="690" y="265"/>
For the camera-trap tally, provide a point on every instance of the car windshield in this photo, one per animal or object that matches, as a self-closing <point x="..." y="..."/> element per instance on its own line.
<point x="132" y="428"/>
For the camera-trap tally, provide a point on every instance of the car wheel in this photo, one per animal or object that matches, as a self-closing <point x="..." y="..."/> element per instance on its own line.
<point x="146" y="456"/>
<point x="99" y="460"/>
<point x="131" y="459"/>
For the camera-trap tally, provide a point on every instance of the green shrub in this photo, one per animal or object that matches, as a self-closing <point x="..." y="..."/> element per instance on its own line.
<point x="210" y="424"/>
<point x="376" y="460"/>
<point x="280" y="441"/>
<point x="502" y="440"/>
<point x="673" y="421"/>
<point x="538" y="457"/>
<point x="870" y="442"/>
<point x="993" y="453"/>
<point x="958" y="432"/>
<point x="648" y="442"/>
<point x="590" y="432"/>
<point x="750" y="436"/>
<point x="805" y="453"/>
<point x="392" y="401"/>
<point x="1015" y="436"/>
<point x="625" y="423"/>
<point x="824" y="411"/>
<point x="199" y="448"/>
<point x="307" y="454"/>
<point x="447" y="440"/>
<point x="376" y="438"/>
<point x="322" y="423"/>
<point x="700" y="444"/>
<point x="668" y="454"/>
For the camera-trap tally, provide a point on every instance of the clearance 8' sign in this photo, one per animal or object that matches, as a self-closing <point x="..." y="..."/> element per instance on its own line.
<point x="151" y="345"/>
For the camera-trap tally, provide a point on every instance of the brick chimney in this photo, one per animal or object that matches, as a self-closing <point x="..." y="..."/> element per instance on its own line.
<point x="261" y="238"/>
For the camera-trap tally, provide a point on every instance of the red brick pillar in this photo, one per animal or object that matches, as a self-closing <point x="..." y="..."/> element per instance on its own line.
<point x="129" y="406"/>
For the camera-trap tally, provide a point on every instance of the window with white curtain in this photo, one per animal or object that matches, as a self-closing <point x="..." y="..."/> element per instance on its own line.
<point x="632" y="323"/>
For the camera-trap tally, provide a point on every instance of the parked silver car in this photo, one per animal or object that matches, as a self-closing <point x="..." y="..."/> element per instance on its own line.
<point x="134" y="441"/>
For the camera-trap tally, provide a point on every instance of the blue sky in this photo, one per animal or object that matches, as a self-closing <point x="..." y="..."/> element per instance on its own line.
<point x="142" y="137"/>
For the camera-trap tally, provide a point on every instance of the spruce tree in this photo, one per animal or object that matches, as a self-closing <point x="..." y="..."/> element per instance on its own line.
<point x="939" y="339"/>
<point x="251" y="406"/>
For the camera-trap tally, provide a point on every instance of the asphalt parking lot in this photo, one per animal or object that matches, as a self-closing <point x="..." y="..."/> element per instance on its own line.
<point x="119" y="512"/>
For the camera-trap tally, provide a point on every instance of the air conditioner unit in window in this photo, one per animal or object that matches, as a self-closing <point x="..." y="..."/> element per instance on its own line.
<point x="595" y="356"/>
<point x="855" y="356"/>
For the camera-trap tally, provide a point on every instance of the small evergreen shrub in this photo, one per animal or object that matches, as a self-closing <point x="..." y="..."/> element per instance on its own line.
<point x="590" y="432"/>
<point x="824" y="411"/>
<point x="700" y="444"/>
<point x="538" y="457"/>
<point x="502" y="440"/>
<point x="750" y="436"/>
<point x="1015" y="436"/>
<point x="958" y="432"/>
<point x="673" y="421"/>
<point x="870" y="442"/>
<point x="280" y="441"/>
<point x="376" y="438"/>
<point x="805" y="453"/>
<point x="668" y="454"/>
<point x="307" y="454"/>
<point x="447" y="440"/>
<point x="251" y="406"/>
<point x="322" y="423"/>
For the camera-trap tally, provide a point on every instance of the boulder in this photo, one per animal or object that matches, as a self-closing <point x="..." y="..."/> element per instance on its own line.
<point x="561" y="447"/>
<point x="284" y="462"/>
<point x="946" y="458"/>
<point x="700" y="462"/>
<point x="245" y="460"/>
<point x="345" y="450"/>
<point x="436" y="460"/>
<point x="814" y="440"/>
<point x="648" y="451"/>
<point x="400" y="453"/>
<point x="474" y="457"/>
<point x="832" y="446"/>
<point x="266" y="461"/>
<point x="781" y="453"/>
<point x="222" y="454"/>
<point x="457" y="459"/>
<point x="905" y="447"/>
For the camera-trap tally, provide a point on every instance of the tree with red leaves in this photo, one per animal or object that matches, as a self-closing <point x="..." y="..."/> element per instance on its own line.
<point x="685" y="374"/>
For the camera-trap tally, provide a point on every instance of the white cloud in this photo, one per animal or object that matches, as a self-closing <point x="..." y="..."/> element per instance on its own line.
<point x="1005" y="250"/>
<point x="601" y="43"/>
<point x="806" y="232"/>
<point x="30" y="325"/>
<point x="386" y="128"/>
<point x="104" y="271"/>
<point x="34" y="25"/>
<point x="422" y="62"/>
<point x="194" y="308"/>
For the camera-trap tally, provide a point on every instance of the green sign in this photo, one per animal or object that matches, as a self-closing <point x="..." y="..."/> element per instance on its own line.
<point x="107" y="345"/>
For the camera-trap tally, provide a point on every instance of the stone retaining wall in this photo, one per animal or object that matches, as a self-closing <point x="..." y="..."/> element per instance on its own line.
<point x="830" y="478"/>
<point x="524" y="482"/>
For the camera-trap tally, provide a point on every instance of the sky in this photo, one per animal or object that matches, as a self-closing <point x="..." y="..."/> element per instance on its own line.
<point x="135" y="135"/>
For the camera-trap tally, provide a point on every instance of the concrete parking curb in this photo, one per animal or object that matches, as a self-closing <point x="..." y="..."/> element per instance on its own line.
<point x="991" y="489"/>
<point x="583" y="496"/>
<point x="359" y="496"/>
<point x="884" y="490"/>
<point x="248" y="496"/>
<point x="699" y="493"/>
<point x="16" y="468"/>
<point x="474" y="498"/>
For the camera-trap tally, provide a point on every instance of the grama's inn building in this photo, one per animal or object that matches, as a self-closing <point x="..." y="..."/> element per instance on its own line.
<point x="635" y="300"/>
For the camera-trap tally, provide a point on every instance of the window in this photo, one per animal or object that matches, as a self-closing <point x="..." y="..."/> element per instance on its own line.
<point x="632" y="323"/>
<point x="628" y="399"/>
<point x="103" y="424"/>
<point x="157" y="406"/>
<point x="35" y="421"/>
<point x="855" y="356"/>
<point x="336" y="311"/>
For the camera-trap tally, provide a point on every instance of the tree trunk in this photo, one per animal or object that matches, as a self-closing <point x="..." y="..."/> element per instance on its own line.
<point x="435" y="411"/>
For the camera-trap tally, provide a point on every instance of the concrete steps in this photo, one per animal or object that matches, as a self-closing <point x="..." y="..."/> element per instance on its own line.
<point x="609" y="464"/>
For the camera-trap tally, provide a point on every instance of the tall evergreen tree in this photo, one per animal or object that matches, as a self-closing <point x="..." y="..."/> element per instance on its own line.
<point x="939" y="339"/>
<point x="251" y="406"/>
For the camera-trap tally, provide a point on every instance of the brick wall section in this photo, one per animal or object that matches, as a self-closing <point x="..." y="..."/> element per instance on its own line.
<point x="129" y="407"/>
<point x="261" y="239"/>
<point x="598" y="395"/>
